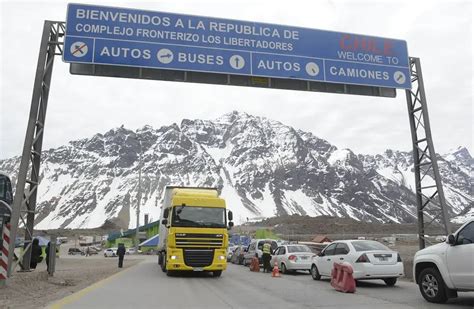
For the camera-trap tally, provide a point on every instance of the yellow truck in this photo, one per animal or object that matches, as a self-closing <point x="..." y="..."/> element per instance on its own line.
<point x="193" y="231"/>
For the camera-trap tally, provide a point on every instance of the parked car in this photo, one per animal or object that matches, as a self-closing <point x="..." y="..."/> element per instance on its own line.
<point x="230" y="250"/>
<point x="292" y="258"/>
<point x="132" y="251"/>
<point x="110" y="252"/>
<point x="369" y="259"/>
<point x="75" y="251"/>
<point x="238" y="255"/>
<point x="256" y="246"/>
<point x="446" y="268"/>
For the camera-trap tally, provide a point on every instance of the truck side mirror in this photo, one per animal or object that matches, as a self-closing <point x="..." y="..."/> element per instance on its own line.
<point x="164" y="221"/>
<point x="231" y="224"/>
<point x="230" y="215"/>
<point x="166" y="212"/>
<point x="451" y="240"/>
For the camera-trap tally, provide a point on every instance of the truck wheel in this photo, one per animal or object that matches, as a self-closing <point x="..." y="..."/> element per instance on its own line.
<point x="390" y="281"/>
<point x="160" y="259"/>
<point x="217" y="273"/>
<point x="163" y="262"/>
<point x="432" y="286"/>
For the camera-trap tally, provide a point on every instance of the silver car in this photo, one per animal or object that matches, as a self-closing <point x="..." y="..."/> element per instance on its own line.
<point x="292" y="258"/>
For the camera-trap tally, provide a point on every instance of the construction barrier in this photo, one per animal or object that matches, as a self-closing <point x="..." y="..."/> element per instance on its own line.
<point x="4" y="257"/>
<point x="342" y="279"/>
<point x="255" y="264"/>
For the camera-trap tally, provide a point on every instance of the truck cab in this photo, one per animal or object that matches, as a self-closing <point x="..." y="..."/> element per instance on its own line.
<point x="193" y="231"/>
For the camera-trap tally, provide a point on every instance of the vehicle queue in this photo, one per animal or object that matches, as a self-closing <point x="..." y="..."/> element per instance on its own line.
<point x="440" y="271"/>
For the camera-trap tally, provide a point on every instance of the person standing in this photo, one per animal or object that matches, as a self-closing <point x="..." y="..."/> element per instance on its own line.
<point x="266" y="256"/>
<point x="121" y="254"/>
<point x="48" y="247"/>
<point x="36" y="253"/>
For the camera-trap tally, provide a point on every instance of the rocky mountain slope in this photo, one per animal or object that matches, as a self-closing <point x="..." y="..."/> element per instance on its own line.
<point x="263" y="167"/>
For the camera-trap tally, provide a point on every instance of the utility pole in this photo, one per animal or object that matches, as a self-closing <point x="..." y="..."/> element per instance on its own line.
<point x="139" y="198"/>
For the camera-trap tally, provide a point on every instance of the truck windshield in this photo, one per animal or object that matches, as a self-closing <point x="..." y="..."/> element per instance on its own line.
<point x="195" y="216"/>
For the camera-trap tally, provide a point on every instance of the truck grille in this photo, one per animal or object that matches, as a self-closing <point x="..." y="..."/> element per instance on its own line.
<point x="198" y="258"/>
<point x="191" y="240"/>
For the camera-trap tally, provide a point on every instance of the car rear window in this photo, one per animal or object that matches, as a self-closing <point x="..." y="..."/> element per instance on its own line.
<point x="293" y="249"/>
<point x="367" y="245"/>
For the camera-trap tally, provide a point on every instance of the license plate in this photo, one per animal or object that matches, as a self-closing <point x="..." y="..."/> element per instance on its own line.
<point x="198" y="269"/>
<point x="383" y="259"/>
<point x="304" y="257"/>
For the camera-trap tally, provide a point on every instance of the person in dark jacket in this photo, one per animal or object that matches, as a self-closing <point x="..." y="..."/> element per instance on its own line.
<point x="48" y="248"/>
<point x="121" y="254"/>
<point x="36" y="253"/>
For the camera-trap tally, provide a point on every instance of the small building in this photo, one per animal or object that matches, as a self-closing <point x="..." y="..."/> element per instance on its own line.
<point x="128" y="237"/>
<point x="321" y="239"/>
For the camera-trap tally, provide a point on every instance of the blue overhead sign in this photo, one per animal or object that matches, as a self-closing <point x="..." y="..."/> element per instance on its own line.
<point x="129" y="37"/>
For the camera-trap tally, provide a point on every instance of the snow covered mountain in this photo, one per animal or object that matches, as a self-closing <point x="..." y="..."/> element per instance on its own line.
<point x="263" y="167"/>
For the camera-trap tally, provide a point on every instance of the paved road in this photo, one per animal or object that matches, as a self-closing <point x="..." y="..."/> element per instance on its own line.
<point x="145" y="286"/>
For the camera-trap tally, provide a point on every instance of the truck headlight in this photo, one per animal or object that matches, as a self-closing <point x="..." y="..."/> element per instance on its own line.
<point x="174" y="257"/>
<point x="222" y="257"/>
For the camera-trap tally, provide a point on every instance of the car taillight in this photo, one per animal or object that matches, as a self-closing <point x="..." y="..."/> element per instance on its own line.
<point x="292" y="258"/>
<point x="399" y="259"/>
<point x="363" y="259"/>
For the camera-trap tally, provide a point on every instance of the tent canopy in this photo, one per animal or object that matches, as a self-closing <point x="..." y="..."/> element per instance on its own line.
<point x="150" y="242"/>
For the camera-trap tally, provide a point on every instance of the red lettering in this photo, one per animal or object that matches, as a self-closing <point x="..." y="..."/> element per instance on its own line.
<point x="387" y="47"/>
<point x="365" y="44"/>
<point x="342" y="44"/>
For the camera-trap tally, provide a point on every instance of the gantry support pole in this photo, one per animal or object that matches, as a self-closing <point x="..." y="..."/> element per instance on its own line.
<point x="430" y="201"/>
<point x="24" y="203"/>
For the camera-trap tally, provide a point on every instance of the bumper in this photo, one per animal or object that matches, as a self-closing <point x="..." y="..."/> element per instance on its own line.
<point x="175" y="261"/>
<point x="298" y="266"/>
<point x="370" y="271"/>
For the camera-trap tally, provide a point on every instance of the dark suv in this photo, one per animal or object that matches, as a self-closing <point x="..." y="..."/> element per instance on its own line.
<point x="75" y="251"/>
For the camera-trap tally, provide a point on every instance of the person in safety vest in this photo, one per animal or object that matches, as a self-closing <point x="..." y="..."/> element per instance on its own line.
<point x="266" y="256"/>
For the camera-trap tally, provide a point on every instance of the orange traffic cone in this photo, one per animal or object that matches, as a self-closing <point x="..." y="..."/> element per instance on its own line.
<point x="276" y="271"/>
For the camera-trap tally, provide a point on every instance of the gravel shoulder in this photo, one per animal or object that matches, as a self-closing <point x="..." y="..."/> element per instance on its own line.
<point x="36" y="289"/>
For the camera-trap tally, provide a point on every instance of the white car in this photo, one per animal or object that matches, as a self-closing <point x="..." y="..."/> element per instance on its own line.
<point x="110" y="252"/>
<point x="292" y="257"/>
<point x="369" y="259"/>
<point x="446" y="268"/>
<point x="132" y="251"/>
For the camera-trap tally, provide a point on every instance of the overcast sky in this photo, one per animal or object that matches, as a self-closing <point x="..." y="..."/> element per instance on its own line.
<point x="439" y="32"/>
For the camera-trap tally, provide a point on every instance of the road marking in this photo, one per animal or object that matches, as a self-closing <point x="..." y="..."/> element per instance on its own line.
<point x="81" y="293"/>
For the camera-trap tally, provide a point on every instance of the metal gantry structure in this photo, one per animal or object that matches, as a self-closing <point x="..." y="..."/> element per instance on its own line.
<point x="430" y="199"/>
<point x="24" y="202"/>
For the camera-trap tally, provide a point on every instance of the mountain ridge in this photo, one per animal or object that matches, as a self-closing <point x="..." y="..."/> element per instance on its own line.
<point x="263" y="168"/>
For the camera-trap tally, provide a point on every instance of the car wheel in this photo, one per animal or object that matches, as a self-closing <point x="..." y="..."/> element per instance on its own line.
<point x="432" y="286"/>
<point x="390" y="281"/>
<point x="315" y="272"/>
<point x="217" y="273"/>
<point x="163" y="263"/>
<point x="105" y="255"/>
<point x="283" y="269"/>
